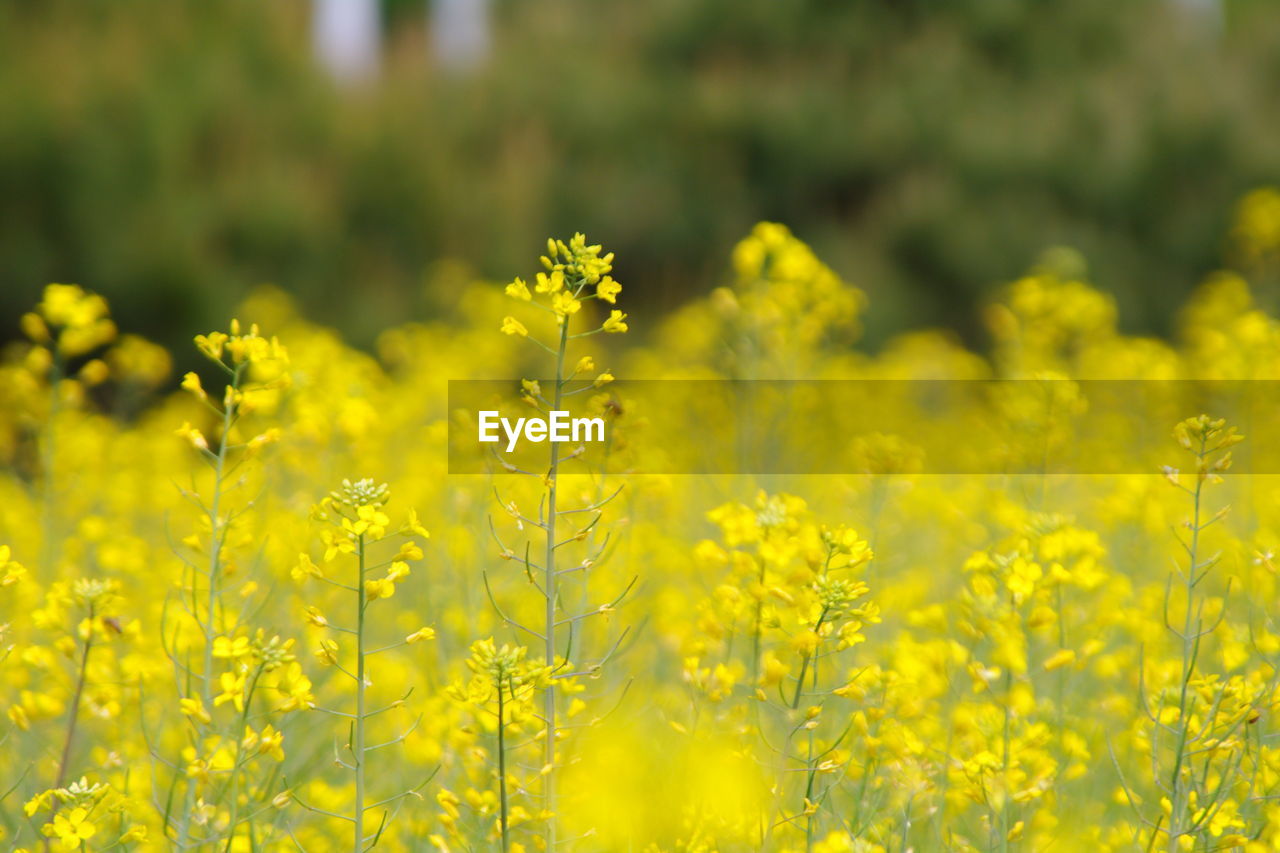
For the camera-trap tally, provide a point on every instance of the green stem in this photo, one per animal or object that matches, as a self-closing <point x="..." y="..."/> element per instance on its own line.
<point x="1179" y="793"/>
<point x="215" y="567"/>
<point x="47" y="549"/>
<point x="358" y="747"/>
<point x="906" y="826"/>
<point x="804" y="664"/>
<point x="235" y="767"/>
<point x="1004" y="782"/>
<point x="81" y="677"/>
<point x="215" y="544"/>
<point x="1061" y="677"/>
<point x="549" y="590"/>
<point x="502" y="769"/>
<point x="72" y="718"/>
<point x="755" y="630"/>
<point x="808" y="797"/>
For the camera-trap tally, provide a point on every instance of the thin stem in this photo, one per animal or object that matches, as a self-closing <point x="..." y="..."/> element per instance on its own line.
<point x="1008" y="719"/>
<point x="215" y="566"/>
<point x="1176" y="788"/>
<point x="47" y="456"/>
<point x="808" y="797"/>
<point x="755" y="632"/>
<point x="215" y="544"/>
<point x="549" y="592"/>
<point x="236" y="765"/>
<point x="804" y="663"/>
<point x="81" y="677"/>
<point x="1060" y="681"/>
<point x="358" y="747"/>
<point x="502" y="769"/>
<point x="73" y="717"/>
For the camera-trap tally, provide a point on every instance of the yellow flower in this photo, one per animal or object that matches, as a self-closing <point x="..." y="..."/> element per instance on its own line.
<point x="195" y="709"/>
<point x="421" y="634"/>
<point x="94" y="372"/>
<point x="18" y="716"/>
<point x="1022" y="578"/>
<point x="305" y="569"/>
<point x="414" y="526"/>
<point x="268" y="742"/>
<point x="512" y="326"/>
<point x="212" y="344"/>
<point x="225" y="647"/>
<point x="608" y="290"/>
<point x="295" y="687"/>
<point x="328" y="652"/>
<point x="1059" y="659"/>
<point x="262" y="439"/>
<point x="335" y="544"/>
<point x="33" y="327"/>
<point x="81" y="316"/>
<point x="40" y="801"/>
<point x="10" y="570"/>
<point x="519" y="290"/>
<point x="137" y="832"/>
<point x="72" y="829"/>
<point x="806" y="642"/>
<point x="370" y="521"/>
<point x="774" y="670"/>
<point x="191" y="382"/>
<point x="615" y="323"/>
<point x="549" y="283"/>
<point x="408" y="551"/>
<point x="139" y="361"/>
<point x="192" y="435"/>
<point x="380" y="588"/>
<point x="232" y="690"/>
<point x="564" y="304"/>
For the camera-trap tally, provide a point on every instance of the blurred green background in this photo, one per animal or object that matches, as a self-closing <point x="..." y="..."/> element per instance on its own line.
<point x="171" y="154"/>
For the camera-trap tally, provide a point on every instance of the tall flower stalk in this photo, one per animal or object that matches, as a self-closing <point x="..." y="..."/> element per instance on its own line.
<point x="504" y="685"/>
<point x="68" y="325"/>
<point x="797" y="587"/>
<point x="357" y="523"/>
<point x="1201" y="722"/>
<point x="89" y="594"/>
<point x="254" y="367"/>
<point x="575" y="273"/>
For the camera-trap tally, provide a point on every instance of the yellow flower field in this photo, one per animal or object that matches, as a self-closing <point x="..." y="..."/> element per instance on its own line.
<point x="258" y="612"/>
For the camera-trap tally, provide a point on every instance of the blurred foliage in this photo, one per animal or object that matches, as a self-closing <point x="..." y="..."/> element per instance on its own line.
<point x="172" y="155"/>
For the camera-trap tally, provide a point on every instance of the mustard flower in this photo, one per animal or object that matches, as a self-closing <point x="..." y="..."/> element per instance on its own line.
<point x="616" y="322"/>
<point x="72" y="829"/>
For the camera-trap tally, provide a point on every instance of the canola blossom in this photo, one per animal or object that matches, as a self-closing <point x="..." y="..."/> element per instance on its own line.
<point x="254" y="608"/>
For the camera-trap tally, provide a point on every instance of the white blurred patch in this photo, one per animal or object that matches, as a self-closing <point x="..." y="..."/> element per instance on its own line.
<point x="460" y="33"/>
<point x="348" y="37"/>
